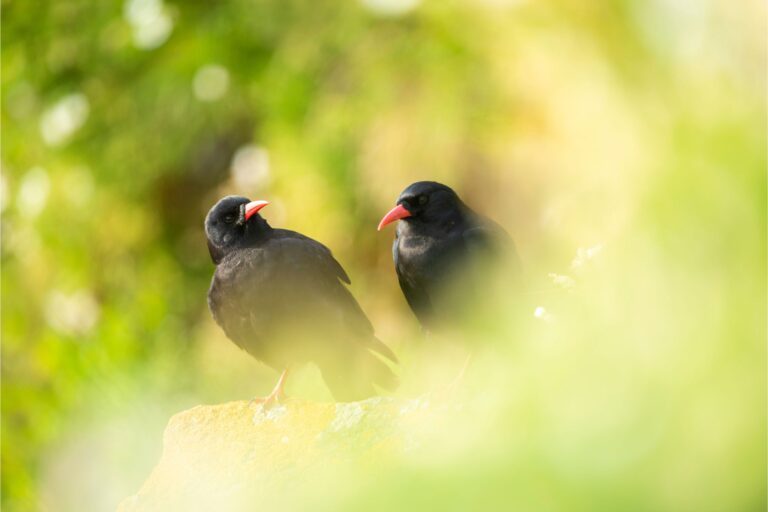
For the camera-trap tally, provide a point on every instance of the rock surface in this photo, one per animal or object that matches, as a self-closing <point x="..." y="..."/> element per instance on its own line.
<point x="220" y="457"/>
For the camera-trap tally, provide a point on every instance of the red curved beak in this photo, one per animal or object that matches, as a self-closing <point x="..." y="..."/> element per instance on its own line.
<point x="396" y="213"/>
<point x="253" y="208"/>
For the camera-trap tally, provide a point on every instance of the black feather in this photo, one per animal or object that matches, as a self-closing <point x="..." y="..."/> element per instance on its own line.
<point x="280" y="296"/>
<point x="439" y="245"/>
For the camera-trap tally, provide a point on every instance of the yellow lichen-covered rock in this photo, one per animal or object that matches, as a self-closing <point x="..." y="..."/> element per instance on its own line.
<point x="221" y="457"/>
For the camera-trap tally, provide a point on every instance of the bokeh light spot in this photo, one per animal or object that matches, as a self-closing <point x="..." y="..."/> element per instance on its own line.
<point x="33" y="192"/>
<point x="71" y="313"/>
<point x="150" y="22"/>
<point x="211" y="82"/>
<point x="391" y="7"/>
<point x="64" y="118"/>
<point x="250" y="168"/>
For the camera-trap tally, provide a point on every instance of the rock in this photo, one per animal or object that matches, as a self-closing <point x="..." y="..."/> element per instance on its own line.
<point x="221" y="457"/>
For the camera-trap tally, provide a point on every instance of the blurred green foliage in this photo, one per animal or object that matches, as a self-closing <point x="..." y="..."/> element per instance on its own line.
<point x="631" y="125"/>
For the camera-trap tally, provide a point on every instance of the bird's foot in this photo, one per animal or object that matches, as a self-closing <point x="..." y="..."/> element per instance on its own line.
<point x="275" y="397"/>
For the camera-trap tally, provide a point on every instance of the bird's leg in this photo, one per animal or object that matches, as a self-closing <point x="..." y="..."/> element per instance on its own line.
<point x="277" y="394"/>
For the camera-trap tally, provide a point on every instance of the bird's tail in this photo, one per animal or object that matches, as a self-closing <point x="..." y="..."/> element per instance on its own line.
<point x="358" y="375"/>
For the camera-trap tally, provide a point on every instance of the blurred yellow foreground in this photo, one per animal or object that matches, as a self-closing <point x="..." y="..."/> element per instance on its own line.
<point x="622" y="144"/>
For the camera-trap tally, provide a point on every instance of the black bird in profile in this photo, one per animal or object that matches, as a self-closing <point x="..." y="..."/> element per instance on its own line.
<point x="440" y="247"/>
<point x="279" y="295"/>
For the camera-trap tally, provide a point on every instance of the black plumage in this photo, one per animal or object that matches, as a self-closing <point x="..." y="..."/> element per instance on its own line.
<point x="280" y="296"/>
<point x="443" y="250"/>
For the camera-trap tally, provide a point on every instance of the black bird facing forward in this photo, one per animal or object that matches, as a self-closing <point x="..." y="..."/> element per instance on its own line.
<point x="280" y="296"/>
<point x="439" y="247"/>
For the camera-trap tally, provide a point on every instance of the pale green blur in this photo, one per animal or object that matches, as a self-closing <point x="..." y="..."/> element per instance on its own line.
<point x="622" y="144"/>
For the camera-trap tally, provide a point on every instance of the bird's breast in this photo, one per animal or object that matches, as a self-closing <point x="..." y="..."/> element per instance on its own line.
<point x="429" y="258"/>
<point x="418" y="255"/>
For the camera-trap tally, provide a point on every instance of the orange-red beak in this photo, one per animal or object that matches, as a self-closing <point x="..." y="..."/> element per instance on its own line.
<point x="396" y="213"/>
<point x="253" y="208"/>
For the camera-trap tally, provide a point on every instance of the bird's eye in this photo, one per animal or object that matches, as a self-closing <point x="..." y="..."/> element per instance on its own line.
<point x="229" y="219"/>
<point x="423" y="199"/>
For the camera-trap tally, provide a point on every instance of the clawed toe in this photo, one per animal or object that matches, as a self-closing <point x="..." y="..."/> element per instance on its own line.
<point x="275" y="397"/>
<point x="268" y="402"/>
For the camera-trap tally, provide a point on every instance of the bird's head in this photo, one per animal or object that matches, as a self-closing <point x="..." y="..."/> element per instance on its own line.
<point x="231" y="223"/>
<point x="424" y="202"/>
